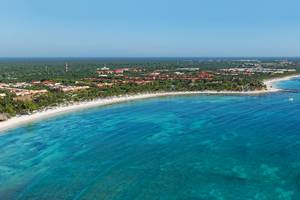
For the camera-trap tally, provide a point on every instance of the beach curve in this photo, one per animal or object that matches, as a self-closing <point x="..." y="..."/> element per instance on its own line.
<point x="18" y="121"/>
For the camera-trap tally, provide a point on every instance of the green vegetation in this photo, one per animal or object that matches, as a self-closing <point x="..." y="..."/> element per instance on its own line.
<point x="83" y="72"/>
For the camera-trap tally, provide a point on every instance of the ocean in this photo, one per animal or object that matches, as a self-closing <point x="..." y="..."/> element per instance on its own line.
<point x="202" y="147"/>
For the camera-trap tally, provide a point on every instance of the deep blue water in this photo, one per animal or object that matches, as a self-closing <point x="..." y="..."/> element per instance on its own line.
<point x="189" y="147"/>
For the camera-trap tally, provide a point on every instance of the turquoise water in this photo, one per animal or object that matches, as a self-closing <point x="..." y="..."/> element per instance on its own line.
<point x="191" y="147"/>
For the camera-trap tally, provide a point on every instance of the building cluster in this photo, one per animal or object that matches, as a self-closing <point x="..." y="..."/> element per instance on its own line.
<point x="179" y="74"/>
<point x="139" y="76"/>
<point x="56" y="86"/>
<point x="276" y="63"/>
<point x="253" y="70"/>
<point x="102" y="83"/>
<point x="105" y="71"/>
<point x="21" y="93"/>
<point x="107" y="78"/>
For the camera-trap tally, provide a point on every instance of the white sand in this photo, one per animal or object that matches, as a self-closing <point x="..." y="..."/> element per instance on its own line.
<point x="26" y="119"/>
<point x="270" y="83"/>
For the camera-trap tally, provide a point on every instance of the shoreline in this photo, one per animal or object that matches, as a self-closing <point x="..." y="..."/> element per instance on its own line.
<point x="270" y="83"/>
<point x="18" y="121"/>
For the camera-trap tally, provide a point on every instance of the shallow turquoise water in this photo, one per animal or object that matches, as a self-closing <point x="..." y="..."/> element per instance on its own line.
<point x="192" y="147"/>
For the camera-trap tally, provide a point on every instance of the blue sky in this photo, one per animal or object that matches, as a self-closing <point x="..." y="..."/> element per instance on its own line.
<point x="130" y="28"/>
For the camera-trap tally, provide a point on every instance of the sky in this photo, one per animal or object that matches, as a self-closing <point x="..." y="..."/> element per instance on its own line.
<point x="149" y="28"/>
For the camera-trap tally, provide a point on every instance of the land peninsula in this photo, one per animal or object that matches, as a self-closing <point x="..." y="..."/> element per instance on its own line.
<point x="27" y="98"/>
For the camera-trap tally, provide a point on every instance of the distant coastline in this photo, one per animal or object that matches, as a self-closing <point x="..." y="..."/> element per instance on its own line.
<point x="58" y="110"/>
<point x="270" y="83"/>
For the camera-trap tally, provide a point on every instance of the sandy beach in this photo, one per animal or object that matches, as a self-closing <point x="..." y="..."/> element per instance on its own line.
<point x="271" y="83"/>
<point x="47" y="113"/>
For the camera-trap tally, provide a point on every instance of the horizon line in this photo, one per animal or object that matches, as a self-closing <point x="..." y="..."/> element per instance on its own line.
<point x="175" y="57"/>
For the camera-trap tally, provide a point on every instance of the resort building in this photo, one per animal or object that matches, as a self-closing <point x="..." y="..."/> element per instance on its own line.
<point x="3" y="85"/>
<point x="121" y="70"/>
<point x="104" y="85"/>
<point x="64" y="88"/>
<point x="23" y="92"/>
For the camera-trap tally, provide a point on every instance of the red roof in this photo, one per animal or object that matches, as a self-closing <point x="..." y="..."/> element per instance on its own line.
<point x="121" y="70"/>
